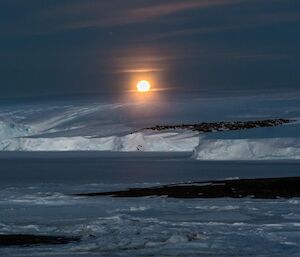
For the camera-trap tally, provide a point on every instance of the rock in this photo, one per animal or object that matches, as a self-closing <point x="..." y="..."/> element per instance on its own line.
<point x="205" y="127"/>
<point x="268" y="188"/>
<point x="29" y="240"/>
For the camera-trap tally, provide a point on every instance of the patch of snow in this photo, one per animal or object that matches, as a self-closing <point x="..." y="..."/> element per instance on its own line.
<point x="10" y="129"/>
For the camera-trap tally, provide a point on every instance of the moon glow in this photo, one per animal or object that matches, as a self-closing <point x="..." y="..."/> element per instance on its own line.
<point x="143" y="86"/>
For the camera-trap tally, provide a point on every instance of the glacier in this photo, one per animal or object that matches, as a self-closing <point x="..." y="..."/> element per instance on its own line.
<point x="109" y="125"/>
<point x="201" y="146"/>
<point x="163" y="142"/>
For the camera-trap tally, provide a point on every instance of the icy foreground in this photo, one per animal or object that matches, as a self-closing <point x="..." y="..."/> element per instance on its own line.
<point x="109" y="126"/>
<point x="147" y="226"/>
<point x="37" y="198"/>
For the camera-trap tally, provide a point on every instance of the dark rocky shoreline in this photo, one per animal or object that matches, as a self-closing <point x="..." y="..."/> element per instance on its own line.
<point x="30" y="240"/>
<point x="206" y="127"/>
<point x="264" y="188"/>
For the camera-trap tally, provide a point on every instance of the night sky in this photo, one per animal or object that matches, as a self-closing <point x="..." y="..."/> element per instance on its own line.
<point x="61" y="47"/>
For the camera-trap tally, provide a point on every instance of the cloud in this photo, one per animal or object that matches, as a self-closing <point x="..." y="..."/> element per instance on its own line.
<point x="158" y="10"/>
<point x="36" y="18"/>
<point x="90" y="14"/>
<point x="193" y="31"/>
<point x="146" y="70"/>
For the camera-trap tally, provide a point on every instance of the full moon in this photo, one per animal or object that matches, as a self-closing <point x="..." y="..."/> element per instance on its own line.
<point x="143" y="86"/>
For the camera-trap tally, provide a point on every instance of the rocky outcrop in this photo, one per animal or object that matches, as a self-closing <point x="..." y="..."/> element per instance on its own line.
<point x="206" y="127"/>
<point x="30" y="240"/>
<point x="268" y="188"/>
